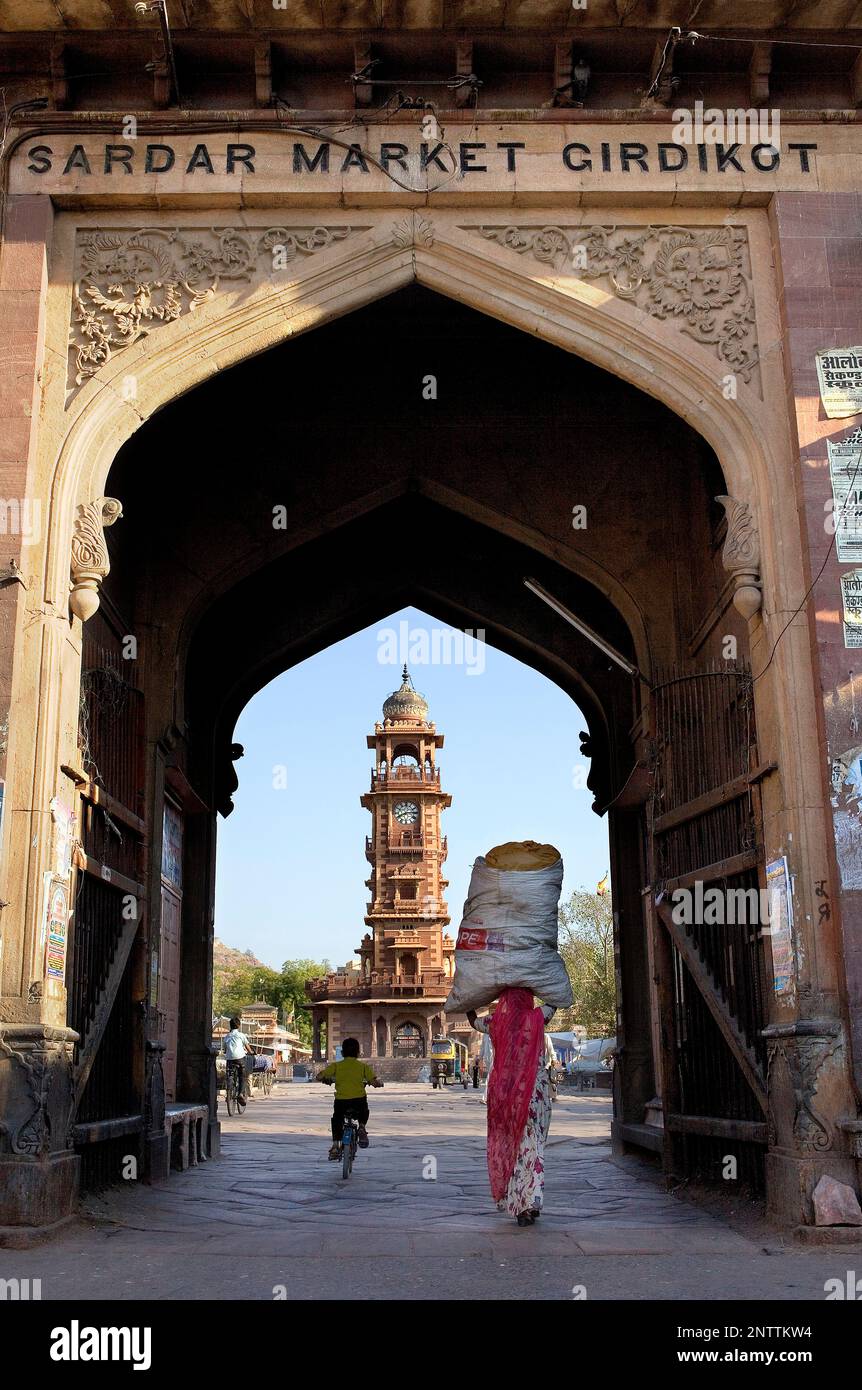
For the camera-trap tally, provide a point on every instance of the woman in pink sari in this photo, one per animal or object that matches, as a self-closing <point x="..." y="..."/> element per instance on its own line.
<point x="519" y="1103"/>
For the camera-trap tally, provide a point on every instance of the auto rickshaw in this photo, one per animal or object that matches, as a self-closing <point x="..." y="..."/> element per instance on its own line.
<point x="448" y="1059"/>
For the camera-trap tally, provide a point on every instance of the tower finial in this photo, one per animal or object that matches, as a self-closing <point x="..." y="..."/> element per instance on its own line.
<point x="405" y="703"/>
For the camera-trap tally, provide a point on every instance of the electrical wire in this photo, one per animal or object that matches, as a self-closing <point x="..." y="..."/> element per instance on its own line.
<point x="670" y="40"/>
<point x="333" y="139"/>
<point x="693" y="34"/>
<point x="815" y="581"/>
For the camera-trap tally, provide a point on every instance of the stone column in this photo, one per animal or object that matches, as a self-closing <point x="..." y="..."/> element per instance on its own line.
<point x="38" y="1168"/>
<point x="814" y="1037"/>
<point x="388" y="1024"/>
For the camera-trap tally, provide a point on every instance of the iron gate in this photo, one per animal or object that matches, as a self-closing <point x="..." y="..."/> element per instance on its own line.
<point x="705" y="823"/>
<point x="107" y="913"/>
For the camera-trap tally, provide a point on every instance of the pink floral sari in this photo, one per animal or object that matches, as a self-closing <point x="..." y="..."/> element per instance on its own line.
<point x="517" y="1031"/>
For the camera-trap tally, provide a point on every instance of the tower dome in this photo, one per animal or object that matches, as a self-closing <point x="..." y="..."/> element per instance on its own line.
<point x="406" y="702"/>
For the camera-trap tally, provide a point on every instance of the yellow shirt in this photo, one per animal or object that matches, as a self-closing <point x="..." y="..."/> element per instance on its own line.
<point x="351" y="1078"/>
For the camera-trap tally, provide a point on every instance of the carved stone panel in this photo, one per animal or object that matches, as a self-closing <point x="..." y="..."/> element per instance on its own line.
<point x="36" y="1091"/>
<point x="130" y="283"/>
<point x="804" y="1080"/>
<point x="696" y="277"/>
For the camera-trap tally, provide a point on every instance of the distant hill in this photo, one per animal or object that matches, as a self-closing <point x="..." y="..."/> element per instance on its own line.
<point x="226" y="959"/>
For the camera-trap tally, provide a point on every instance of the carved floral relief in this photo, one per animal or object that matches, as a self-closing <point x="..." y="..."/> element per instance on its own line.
<point x="127" y="283"/>
<point x="698" y="277"/>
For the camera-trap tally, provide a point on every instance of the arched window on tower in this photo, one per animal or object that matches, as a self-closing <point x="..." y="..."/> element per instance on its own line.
<point x="407" y="1041"/>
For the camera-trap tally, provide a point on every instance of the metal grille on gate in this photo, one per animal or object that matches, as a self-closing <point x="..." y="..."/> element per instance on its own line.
<point x="705" y="820"/>
<point x="107" y="911"/>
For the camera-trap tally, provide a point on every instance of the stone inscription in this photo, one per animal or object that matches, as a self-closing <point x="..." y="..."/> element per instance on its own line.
<point x="465" y="157"/>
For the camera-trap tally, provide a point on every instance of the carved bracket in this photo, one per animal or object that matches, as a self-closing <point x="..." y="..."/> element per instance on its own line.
<point x="741" y="556"/>
<point x="413" y="230"/>
<point x="90" y="562"/>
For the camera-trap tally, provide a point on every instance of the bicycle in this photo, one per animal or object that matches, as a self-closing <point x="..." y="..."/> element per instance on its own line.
<point x="234" y="1099"/>
<point x="349" y="1143"/>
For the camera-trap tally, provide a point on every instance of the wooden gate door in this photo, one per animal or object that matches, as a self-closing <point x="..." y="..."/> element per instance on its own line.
<point x="705" y="829"/>
<point x="103" y="994"/>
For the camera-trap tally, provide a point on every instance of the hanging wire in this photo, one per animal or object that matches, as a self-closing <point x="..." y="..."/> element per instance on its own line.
<point x="819" y="573"/>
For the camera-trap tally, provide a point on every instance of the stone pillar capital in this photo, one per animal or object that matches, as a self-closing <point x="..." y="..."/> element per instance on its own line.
<point x="90" y="562"/>
<point x="741" y="555"/>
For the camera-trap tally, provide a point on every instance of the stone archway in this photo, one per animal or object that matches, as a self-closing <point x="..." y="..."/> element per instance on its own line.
<point x="455" y="257"/>
<point x="570" y="313"/>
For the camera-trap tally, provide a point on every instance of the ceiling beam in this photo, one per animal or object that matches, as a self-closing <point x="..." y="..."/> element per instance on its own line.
<point x="758" y="73"/>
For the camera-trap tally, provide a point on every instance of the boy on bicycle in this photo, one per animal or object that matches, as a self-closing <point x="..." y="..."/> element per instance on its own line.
<point x="351" y="1077"/>
<point x="236" y="1047"/>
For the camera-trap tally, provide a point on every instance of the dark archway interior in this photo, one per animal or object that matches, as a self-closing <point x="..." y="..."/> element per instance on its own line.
<point x="383" y="496"/>
<point x="412" y="452"/>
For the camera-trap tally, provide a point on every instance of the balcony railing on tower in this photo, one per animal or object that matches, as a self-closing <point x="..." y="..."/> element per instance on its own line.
<point x="380" y="984"/>
<point x="404" y="777"/>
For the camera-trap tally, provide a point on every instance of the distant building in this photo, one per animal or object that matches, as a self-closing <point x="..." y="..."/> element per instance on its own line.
<point x="259" y="1021"/>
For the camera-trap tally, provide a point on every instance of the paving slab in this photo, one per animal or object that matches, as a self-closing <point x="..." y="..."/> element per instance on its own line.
<point x="273" y="1213"/>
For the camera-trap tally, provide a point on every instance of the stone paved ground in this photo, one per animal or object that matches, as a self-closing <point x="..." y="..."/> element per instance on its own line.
<point x="272" y="1211"/>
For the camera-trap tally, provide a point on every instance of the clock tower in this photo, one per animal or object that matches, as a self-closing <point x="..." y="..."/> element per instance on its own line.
<point x="406" y="850"/>
<point x="392" y="1000"/>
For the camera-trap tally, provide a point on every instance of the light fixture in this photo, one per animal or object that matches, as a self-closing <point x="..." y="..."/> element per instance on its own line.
<point x="160" y="8"/>
<point x="535" y="587"/>
<point x="581" y="78"/>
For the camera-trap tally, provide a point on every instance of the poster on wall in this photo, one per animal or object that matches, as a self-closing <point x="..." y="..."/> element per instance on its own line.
<point x="56" y="929"/>
<point x="172" y="846"/>
<point x="780" y="925"/>
<point x="63" y="825"/>
<point x="845" y="472"/>
<point x="839" y="372"/>
<point x="851" y="602"/>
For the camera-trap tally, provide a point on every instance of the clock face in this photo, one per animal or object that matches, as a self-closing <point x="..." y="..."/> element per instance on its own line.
<point x="406" y="812"/>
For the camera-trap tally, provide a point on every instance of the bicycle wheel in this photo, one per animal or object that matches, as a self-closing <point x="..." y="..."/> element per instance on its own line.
<point x="348" y="1150"/>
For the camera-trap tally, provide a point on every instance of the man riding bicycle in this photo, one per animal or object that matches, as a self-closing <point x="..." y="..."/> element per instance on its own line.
<point x="237" y="1047"/>
<point x="350" y="1077"/>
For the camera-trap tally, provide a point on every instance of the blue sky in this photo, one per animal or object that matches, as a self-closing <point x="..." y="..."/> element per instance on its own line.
<point x="291" y="859"/>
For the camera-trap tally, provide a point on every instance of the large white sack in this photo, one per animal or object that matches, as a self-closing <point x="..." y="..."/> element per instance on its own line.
<point x="508" y="938"/>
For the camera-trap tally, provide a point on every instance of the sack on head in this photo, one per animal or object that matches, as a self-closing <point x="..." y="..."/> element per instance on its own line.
<point x="508" y="933"/>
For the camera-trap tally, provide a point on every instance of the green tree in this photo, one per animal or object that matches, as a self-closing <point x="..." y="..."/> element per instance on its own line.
<point x="587" y="946"/>
<point x="294" y="974"/>
<point x="285" y="989"/>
